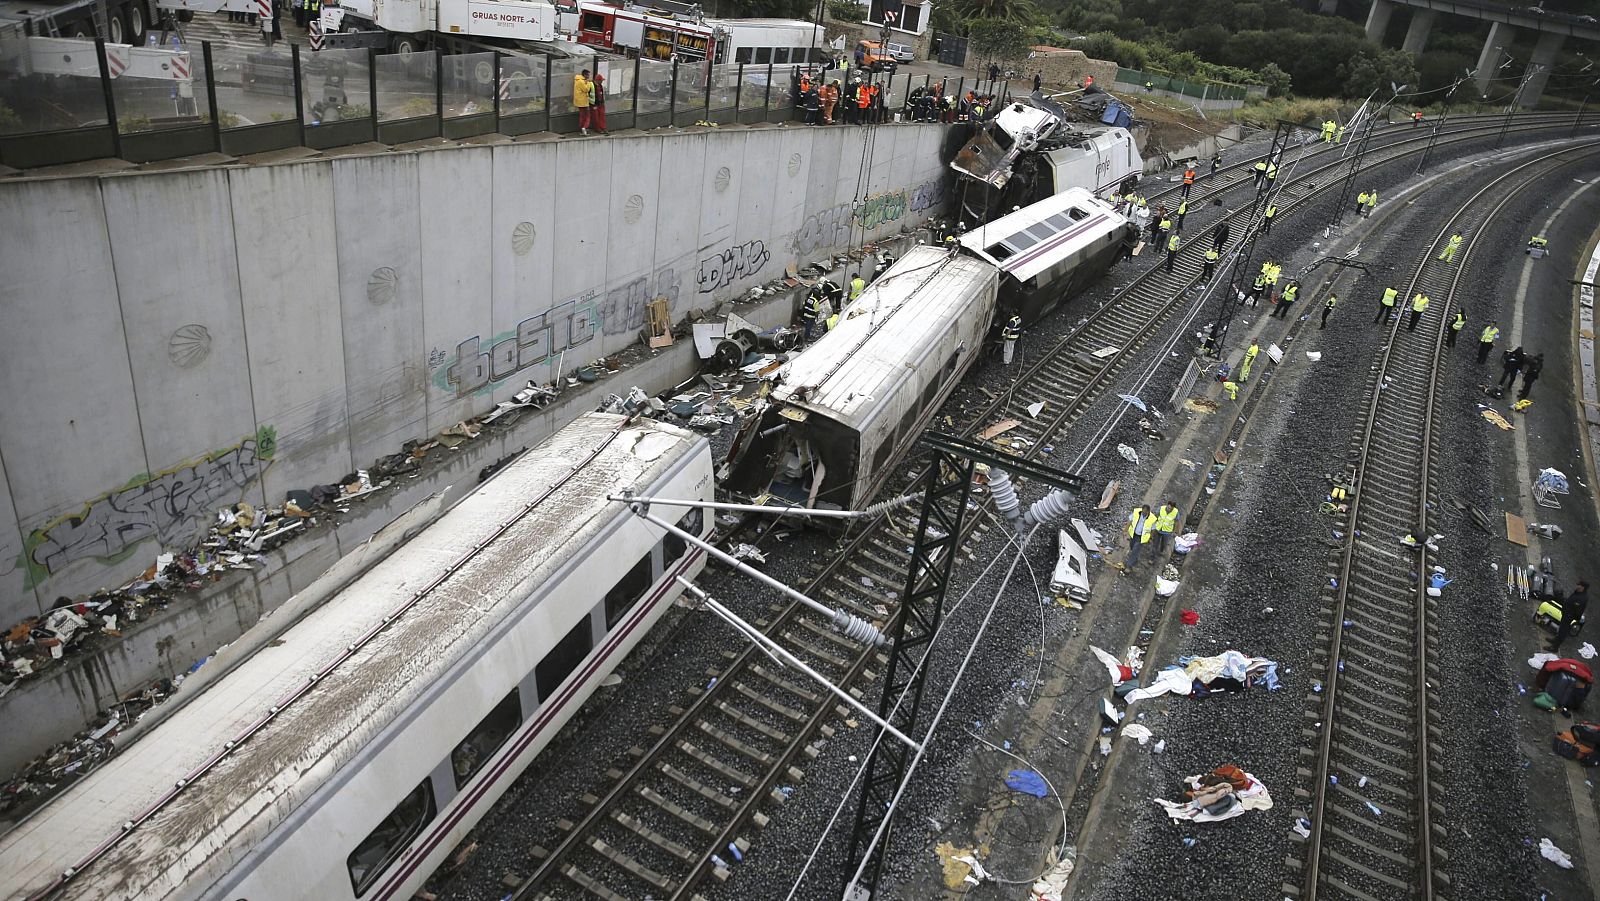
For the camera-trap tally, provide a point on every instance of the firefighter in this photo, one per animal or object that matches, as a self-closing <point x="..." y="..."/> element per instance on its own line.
<point x="1216" y="163"/>
<point x="810" y="313"/>
<point x="1188" y="181"/>
<point x="1008" y="336"/>
<point x="857" y="285"/>
<point x="1327" y="131"/>
<point x="830" y="292"/>
<point x="1386" y="305"/>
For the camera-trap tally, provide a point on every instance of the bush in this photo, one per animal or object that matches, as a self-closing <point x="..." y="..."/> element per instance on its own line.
<point x="846" y="11"/>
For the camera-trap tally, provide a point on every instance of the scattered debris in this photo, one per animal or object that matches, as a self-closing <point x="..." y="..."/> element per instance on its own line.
<point x="1035" y="409"/>
<point x="1138" y="732"/>
<point x="1549" y="851"/>
<point x="1128" y="453"/>
<point x="1071" y="576"/>
<point x="998" y="429"/>
<point x="1028" y="782"/>
<point x="1494" y="417"/>
<point x="748" y="553"/>
<point x="1189" y="618"/>
<point x="1108" y="495"/>
<point x="1197" y="677"/>
<point x="1222" y="794"/>
<point x="1053" y="882"/>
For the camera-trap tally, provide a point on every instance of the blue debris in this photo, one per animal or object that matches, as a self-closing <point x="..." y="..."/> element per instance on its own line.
<point x="1027" y="782"/>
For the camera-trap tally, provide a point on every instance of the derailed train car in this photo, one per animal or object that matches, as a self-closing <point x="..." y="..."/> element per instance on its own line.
<point x="1029" y="152"/>
<point x="344" y="760"/>
<point x="1051" y="250"/>
<point x="828" y="432"/>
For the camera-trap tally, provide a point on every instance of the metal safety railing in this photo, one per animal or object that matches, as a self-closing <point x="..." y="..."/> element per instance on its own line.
<point x="69" y="100"/>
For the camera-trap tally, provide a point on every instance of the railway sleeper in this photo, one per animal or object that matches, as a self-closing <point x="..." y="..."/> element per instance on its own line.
<point x="732" y="774"/>
<point x="794" y="688"/>
<point x="695" y="785"/>
<point x="1370" y="765"/>
<point x="653" y="837"/>
<point x="828" y="635"/>
<point x="750" y="722"/>
<point x="590" y="884"/>
<point x="632" y="866"/>
<point x="852" y="604"/>
<point x="1367" y="871"/>
<point x="733" y="743"/>
<point x="1351" y="891"/>
<point x="833" y="659"/>
<point x="1367" y="846"/>
<point x="783" y="710"/>
<point x="671" y="807"/>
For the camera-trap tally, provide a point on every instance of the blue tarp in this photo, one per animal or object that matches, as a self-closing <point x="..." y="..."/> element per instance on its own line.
<point x="1116" y="114"/>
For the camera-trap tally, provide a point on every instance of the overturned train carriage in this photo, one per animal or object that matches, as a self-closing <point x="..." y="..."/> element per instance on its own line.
<point x="343" y="760"/>
<point x="831" y="430"/>
<point x="1051" y="250"/>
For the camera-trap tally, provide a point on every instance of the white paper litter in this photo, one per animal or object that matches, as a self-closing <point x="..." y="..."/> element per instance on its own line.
<point x="1165" y="588"/>
<point x="1537" y="661"/>
<point x="1587" y="652"/>
<point x="1549" y="851"/>
<point x="1035" y="409"/>
<point x="1128" y="453"/>
<point x="1314" y="355"/>
<point x="1138" y="732"/>
<point x="978" y="873"/>
<point x="1054" y="881"/>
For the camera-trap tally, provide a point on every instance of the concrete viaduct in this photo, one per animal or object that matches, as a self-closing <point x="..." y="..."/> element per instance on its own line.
<point x="1507" y="22"/>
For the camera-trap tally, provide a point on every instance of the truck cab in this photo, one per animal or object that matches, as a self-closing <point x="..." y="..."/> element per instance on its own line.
<point x="872" y="56"/>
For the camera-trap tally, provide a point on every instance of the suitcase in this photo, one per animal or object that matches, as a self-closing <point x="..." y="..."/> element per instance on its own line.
<point x="1568" y="690"/>
<point x="1567" y="745"/>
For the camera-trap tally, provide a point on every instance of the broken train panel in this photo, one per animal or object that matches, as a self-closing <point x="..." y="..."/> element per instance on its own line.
<point x="842" y="411"/>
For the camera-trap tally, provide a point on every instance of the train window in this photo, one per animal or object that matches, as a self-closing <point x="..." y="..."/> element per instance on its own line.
<point x="563" y="659"/>
<point x="594" y="22"/>
<point x="692" y="522"/>
<point x="380" y="849"/>
<point x="763" y="55"/>
<point x="881" y="458"/>
<point x="998" y="251"/>
<point x="627" y="592"/>
<point x="486" y="738"/>
<point x="742" y="55"/>
<point x="780" y="55"/>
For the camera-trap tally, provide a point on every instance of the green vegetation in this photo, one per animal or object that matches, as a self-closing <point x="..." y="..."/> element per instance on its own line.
<point x="1004" y="40"/>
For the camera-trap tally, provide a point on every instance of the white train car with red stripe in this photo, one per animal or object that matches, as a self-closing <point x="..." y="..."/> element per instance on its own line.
<point x="1048" y="251"/>
<point x="346" y="758"/>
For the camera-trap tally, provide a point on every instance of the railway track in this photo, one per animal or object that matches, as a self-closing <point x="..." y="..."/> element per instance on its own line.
<point x="685" y="806"/>
<point x="1375" y="784"/>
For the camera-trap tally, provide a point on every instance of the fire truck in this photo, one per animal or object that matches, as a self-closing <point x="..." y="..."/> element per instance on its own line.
<point x="666" y="29"/>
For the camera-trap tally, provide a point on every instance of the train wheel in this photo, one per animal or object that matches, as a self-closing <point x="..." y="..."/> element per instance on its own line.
<point x="114" y="28"/>
<point x="408" y="43"/>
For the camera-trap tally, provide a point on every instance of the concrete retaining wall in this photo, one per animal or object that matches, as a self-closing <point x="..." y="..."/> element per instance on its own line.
<point x="181" y="341"/>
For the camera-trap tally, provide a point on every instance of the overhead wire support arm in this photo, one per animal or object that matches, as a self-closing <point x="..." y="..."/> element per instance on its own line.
<point x="849" y="624"/>
<point x="784" y="658"/>
<point x="771" y="510"/>
<point x="984" y="453"/>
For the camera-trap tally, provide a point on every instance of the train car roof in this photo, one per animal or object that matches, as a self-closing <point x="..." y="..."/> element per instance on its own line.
<point x="200" y="834"/>
<point x="1029" y="241"/>
<point x="881" y="332"/>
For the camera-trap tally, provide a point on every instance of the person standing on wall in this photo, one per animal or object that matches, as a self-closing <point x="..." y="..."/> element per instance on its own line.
<point x="580" y="100"/>
<point x="597" y="102"/>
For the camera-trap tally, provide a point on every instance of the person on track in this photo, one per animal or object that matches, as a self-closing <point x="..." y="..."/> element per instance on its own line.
<point x="1173" y="243"/>
<point x="1210" y="264"/>
<point x="1486" y="340"/>
<point x="1419" y="305"/>
<point x="1008" y="336"/>
<point x="1451" y="248"/>
<point x="1327" y="309"/>
<point x="1386" y="305"/>
<point x="1141" y="523"/>
<point x="1166" y="524"/>
<point x="1456" y="325"/>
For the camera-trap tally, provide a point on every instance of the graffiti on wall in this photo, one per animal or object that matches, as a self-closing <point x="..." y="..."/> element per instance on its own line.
<point x="622" y="310"/>
<point x="533" y="341"/>
<point x="881" y="209"/>
<point x="819" y="231"/>
<point x="927" y="195"/>
<point x="732" y="263"/>
<point x="170" y="505"/>
<point x="831" y="227"/>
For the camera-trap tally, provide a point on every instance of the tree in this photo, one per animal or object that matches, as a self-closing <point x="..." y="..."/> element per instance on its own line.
<point x="999" y="39"/>
<point x="1276" y="80"/>
<point x="977" y="11"/>
<point x="1375" y="69"/>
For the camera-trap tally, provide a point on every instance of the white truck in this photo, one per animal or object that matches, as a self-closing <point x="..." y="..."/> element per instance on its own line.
<point x="118" y="21"/>
<point x="407" y="26"/>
